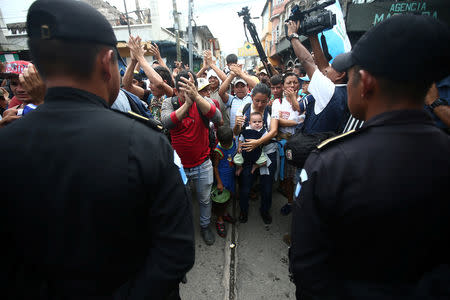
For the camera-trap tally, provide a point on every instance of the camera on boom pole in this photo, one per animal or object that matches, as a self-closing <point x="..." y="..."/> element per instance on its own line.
<point x="248" y="25"/>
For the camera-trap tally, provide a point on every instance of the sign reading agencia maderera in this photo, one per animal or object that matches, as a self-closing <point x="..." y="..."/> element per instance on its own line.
<point x="361" y="17"/>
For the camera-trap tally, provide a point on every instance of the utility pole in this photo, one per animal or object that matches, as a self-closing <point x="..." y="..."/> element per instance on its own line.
<point x="138" y="12"/>
<point x="191" y="62"/>
<point x="177" y="28"/>
<point x="128" y="20"/>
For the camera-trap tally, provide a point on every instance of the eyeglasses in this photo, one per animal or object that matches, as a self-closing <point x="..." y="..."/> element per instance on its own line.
<point x="260" y="101"/>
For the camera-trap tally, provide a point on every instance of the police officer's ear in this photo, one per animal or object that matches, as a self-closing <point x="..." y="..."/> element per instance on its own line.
<point x="368" y="84"/>
<point x="107" y="63"/>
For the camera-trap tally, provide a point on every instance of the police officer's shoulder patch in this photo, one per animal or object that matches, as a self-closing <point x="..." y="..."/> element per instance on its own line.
<point x="332" y="140"/>
<point x="154" y="124"/>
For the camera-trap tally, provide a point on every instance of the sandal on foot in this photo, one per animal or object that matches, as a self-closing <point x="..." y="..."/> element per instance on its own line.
<point x="221" y="229"/>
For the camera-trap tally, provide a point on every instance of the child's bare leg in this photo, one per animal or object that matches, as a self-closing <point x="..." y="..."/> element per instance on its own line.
<point x="238" y="170"/>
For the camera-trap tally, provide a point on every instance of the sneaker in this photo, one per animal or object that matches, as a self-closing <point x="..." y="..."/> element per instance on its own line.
<point x="229" y="219"/>
<point x="286" y="209"/>
<point x="221" y="229"/>
<point x="267" y="218"/>
<point x="243" y="217"/>
<point x="207" y="235"/>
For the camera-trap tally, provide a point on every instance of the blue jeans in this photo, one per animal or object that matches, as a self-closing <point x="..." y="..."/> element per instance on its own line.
<point x="246" y="181"/>
<point x="201" y="178"/>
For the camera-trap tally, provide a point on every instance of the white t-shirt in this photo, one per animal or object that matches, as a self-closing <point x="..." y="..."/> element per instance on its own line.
<point x="284" y="111"/>
<point x="236" y="104"/>
<point x="322" y="89"/>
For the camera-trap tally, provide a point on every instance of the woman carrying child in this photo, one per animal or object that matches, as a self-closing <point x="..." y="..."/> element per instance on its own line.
<point x="260" y="98"/>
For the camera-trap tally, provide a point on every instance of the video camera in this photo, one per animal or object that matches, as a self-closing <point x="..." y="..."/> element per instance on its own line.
<point x="309" y="25"/>
<point x="244" y="12"/>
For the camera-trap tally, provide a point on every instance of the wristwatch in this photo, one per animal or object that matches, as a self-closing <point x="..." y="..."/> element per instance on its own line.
<point x="438" y="102"/>
<point x="293" y="36"/>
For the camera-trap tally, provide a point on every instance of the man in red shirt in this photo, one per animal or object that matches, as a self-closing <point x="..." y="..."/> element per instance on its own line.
<point x="187" y="117"/>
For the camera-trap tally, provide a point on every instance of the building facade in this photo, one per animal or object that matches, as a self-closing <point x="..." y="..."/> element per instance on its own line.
<point x="146" y="24"/>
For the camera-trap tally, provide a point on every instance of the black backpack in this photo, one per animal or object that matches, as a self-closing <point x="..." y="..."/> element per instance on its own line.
<point x="300" y="145"/>
<point x="211" y="134"/>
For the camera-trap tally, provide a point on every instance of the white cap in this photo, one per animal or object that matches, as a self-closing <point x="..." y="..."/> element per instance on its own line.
<point x="211" y="73"/>
<point x="239" y="79"/>
<point x="202" y="83"/>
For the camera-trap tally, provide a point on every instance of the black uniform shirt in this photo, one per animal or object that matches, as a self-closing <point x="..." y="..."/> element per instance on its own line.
<point x="373" y="206"/>
<point x="92" y="200"/>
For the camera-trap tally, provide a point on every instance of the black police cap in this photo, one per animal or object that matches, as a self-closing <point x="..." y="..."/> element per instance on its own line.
<point x="402" y="48"/>
<point x="68" y="20"/>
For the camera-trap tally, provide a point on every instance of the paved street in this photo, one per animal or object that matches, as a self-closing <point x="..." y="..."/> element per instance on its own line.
<point x="259" y="262"/>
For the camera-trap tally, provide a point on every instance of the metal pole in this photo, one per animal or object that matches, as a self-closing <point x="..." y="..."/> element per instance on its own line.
<point x="138" y="12"/>
<point x="177" y="28"/>
<point x="191" y="62"/>
<point x="128" y="20"/>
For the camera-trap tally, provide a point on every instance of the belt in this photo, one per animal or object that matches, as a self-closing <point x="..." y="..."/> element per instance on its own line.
<point x="189" y="169"/>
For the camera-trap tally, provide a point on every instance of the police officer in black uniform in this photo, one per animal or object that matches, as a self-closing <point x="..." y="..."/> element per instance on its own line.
<point x="372" y="220"/>
<point x="93" y="205"/>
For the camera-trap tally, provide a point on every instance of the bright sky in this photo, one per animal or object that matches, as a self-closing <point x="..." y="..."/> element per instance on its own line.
<point x="219" y="15"/>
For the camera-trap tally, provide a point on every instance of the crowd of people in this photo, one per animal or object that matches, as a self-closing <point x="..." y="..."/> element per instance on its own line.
<point x="158" y="137"/>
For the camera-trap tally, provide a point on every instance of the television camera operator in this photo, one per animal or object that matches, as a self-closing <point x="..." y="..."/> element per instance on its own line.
<point x="327" y="105"/>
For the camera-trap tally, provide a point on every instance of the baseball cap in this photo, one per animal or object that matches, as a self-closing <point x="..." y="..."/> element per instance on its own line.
<point x="305" y="78"/>
<point x="263" y="71"/>
<point x="68" y="20"/>
<point x="202" y="83"/>
<point x="14" y="69"/>
<point x="402" y="48"/>
<point x="236" y="80"/>
<point x="212" y="73"/>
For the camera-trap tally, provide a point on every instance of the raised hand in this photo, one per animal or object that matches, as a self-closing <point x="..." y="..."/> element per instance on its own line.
<point x="207" y="57"/>
<point x="236" y="69"/>
<point x="136" y="49"/>
<point x="153" y="50"/>
<point x="293" y="27"/>
<point x="33" y="84"/>
<point x="188" y="87"/>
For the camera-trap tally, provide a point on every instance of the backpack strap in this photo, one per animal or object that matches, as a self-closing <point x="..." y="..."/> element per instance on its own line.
<point x="246" y="112"/>
<point x="265" y="116"/>
<point x="133" y="105"/>
<point x="205" y="119"/>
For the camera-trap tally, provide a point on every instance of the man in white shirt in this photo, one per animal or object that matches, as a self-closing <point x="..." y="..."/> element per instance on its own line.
<point x="242" y="84"/>
<point x="327" y="105"/>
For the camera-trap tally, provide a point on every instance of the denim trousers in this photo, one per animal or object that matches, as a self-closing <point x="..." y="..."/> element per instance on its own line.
<point x="246" y="181"/>
<point x="200" y="178"/>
